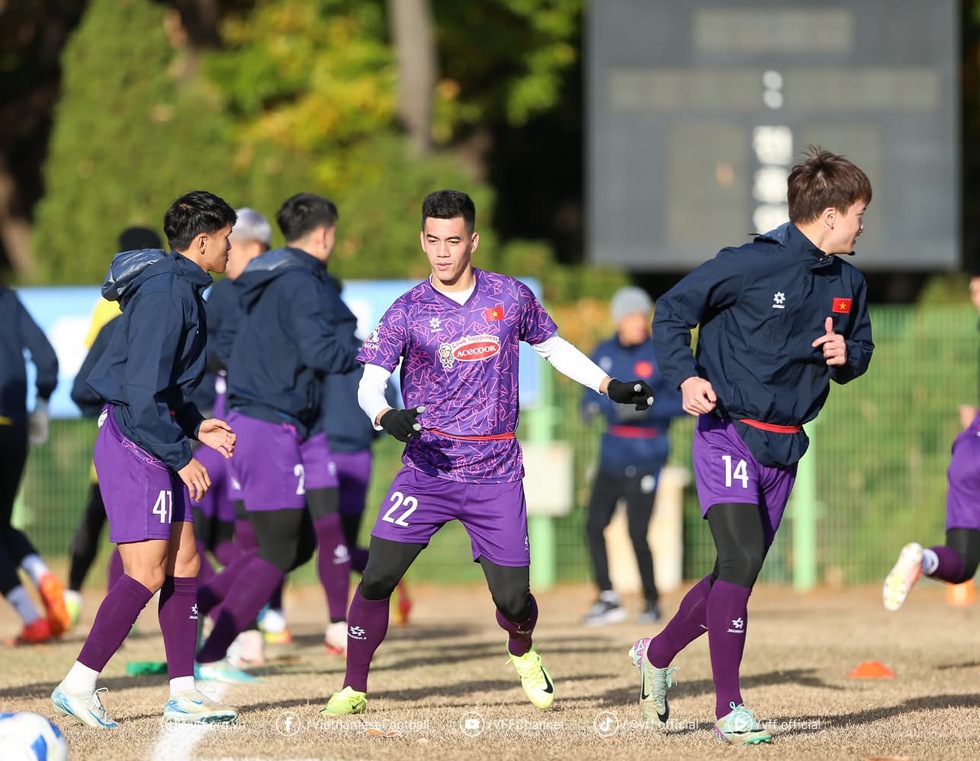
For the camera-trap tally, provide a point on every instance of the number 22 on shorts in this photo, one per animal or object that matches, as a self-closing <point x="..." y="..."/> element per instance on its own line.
<point x="407" y="505"/>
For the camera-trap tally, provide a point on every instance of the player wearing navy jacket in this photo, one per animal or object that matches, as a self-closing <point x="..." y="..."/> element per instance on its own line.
<point x="19" y="332"/>
<point x="634" y="448"/>
<point x="779" y="319"/>
<point x="147" y="373"/>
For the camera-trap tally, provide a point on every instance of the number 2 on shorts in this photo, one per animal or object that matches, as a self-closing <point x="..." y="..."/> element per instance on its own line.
<point x="410" y="504"/>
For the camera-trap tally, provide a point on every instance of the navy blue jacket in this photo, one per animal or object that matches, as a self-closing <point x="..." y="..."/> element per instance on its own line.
<point x="155" y="358"/>
<point x="224" y="308"/>
<point x="84" y="396"/>
<point x="18" y="331"/>
<point x="293" y="330"/>
<point x="635" y="442"/>
<point x="760" y="307"/>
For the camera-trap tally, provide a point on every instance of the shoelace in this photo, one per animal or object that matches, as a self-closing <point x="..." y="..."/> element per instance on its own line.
<point x="742" y="719"/>
<point x="529" y="671"/>
<point x="99" y="709"/>
<point x="660" y="688"/>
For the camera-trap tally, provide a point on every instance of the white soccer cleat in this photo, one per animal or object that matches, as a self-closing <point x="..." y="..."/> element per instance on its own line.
<point x="902" y="577"/>
<point x="87" y="708"/>
<point x="335" y="638"/>
<point x="194" y="707"/>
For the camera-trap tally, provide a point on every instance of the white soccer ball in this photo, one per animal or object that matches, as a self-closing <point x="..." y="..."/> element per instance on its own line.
<point x="31" y="737"/>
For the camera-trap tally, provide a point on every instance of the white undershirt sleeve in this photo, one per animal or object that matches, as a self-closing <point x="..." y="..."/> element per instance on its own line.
<point x="371" y="392"/>
<point x="571" y="362"/>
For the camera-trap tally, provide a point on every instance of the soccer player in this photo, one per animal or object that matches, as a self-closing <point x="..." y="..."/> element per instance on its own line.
<point x="955" y="561"/>
<point x="143" y="454"/>
<point x="780" y="318"/>
<point x="18" y="431"/>
<point x="85" y="542"/>
<point x="634" y="448"/>
<point x="457" y="337"/>
<point x="294" y="329"/>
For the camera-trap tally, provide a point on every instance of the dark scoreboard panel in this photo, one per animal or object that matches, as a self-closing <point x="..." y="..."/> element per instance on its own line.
<point x="697" y="110"/>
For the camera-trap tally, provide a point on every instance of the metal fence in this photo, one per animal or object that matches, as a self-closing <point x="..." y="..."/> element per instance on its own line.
<point x="879" y="453"/>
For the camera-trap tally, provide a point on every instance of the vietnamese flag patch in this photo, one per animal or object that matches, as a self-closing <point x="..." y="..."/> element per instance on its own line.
<point x="494" y="313"/>
<point x="842" y="306"/>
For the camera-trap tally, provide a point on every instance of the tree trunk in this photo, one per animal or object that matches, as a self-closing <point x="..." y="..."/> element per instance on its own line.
<point x="411" y="27"/>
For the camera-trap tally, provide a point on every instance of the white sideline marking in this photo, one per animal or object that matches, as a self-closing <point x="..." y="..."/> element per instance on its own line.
<point x="178" y="740"/>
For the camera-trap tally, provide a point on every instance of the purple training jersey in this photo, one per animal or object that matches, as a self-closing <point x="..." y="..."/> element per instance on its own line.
<point x="460" y="362"/>
<point x="963" y="475"/>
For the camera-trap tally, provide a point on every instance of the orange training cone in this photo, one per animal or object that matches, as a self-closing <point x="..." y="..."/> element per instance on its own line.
<point x="871" y="670"/>
<point x="961" y="595"/>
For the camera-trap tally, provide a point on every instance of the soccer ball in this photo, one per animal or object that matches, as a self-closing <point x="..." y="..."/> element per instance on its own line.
<point x="31" y="737"/>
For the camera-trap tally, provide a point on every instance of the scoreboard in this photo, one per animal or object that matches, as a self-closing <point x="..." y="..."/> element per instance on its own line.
<point x="697" y="110"/>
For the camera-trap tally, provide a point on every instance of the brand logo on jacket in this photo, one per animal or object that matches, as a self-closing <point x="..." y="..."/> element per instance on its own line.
<point x="779" y="300"/>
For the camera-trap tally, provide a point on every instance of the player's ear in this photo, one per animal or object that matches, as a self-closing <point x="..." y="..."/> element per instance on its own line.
<point x="422" y="239"/>
<point x="474" y="242"/>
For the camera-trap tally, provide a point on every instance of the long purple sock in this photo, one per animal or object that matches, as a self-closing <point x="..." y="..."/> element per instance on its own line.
<point x="178" y="624"/>
<point x="116" y="616"/>
<point x="245" y="536"/>
<point x="211" y="594"/>
<point x="727" y="623"/>
<point x="367" y="625"/>
<point x="519" y="639"/>
<point x="333" y="564"/>
<point x="115" y="571"/>
<point x="950" y="566"/>
<point x="206" y="572"/>
<point x="689" y="623"/>
<point x="226" y="552"/>
<point x="242" y="604"/>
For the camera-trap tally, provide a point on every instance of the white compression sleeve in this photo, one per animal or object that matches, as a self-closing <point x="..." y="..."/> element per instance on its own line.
<point x="371" y="392"/>
<point x="571" y="362"/>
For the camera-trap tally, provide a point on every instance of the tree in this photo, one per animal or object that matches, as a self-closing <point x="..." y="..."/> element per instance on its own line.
<point x="129" y="137"/>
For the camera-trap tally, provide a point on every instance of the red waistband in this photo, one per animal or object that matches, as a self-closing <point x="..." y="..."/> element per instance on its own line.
<point x="491" y="437"/>
<point x="633" y="432"/>
<point x="771" y="427"/>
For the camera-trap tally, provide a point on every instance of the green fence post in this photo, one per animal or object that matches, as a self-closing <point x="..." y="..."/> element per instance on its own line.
<point x="541" y="528"/>
<point x="804" y="511"/>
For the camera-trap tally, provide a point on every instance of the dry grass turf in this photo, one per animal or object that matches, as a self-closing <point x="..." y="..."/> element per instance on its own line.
<point x="441" y="687"/>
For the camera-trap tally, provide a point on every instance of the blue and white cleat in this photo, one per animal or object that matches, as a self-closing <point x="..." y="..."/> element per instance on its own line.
<point x="86" y="708"/>
<point x="194" y="707"/>
<point x="654" y="683"/>
<point x="222" y="671"/>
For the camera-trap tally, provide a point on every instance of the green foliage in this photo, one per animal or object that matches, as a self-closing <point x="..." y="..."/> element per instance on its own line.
<point x="129" y="137"/>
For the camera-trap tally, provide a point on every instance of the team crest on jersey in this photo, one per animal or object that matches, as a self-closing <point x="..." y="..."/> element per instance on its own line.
<point x="468" y="349"/>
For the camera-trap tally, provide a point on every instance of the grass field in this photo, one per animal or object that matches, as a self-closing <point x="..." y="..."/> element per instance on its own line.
<point x="441" y="687"/>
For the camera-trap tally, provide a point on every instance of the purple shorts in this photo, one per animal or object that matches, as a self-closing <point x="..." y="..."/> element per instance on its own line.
<point x="494" y="515"/>
<point x="353" y="476"/>
<point x="726" y="472"/>
<point x="217" y="503"/>
<point x="142" y="496"/>
<point x="273" y="468"/>
<point x="963" y="475"/>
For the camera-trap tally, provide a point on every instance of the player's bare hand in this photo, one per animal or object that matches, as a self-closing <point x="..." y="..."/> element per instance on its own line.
<point x="834" y="347"/>
<point x="196" y="477"/>
<point x="698" y="396"/>
<point x="218" y="435"/>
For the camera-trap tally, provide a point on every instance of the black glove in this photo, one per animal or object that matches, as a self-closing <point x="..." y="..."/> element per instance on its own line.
<point x="635" y="392"/>
<point x="402" y="424"/>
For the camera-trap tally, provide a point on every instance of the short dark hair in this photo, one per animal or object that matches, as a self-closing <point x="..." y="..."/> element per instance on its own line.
<point x="194" y="213"/>
<point x="449" y="204"/>
<point x="824" y="180"/>
<point x="303" y="213"/>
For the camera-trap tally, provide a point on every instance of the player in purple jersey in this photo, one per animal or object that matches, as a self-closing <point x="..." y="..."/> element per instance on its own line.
<point x="779" y="319"/>
<point x="955" y="561"/>
<point x="457" y="338"/>
<point x="143" y="456"/>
